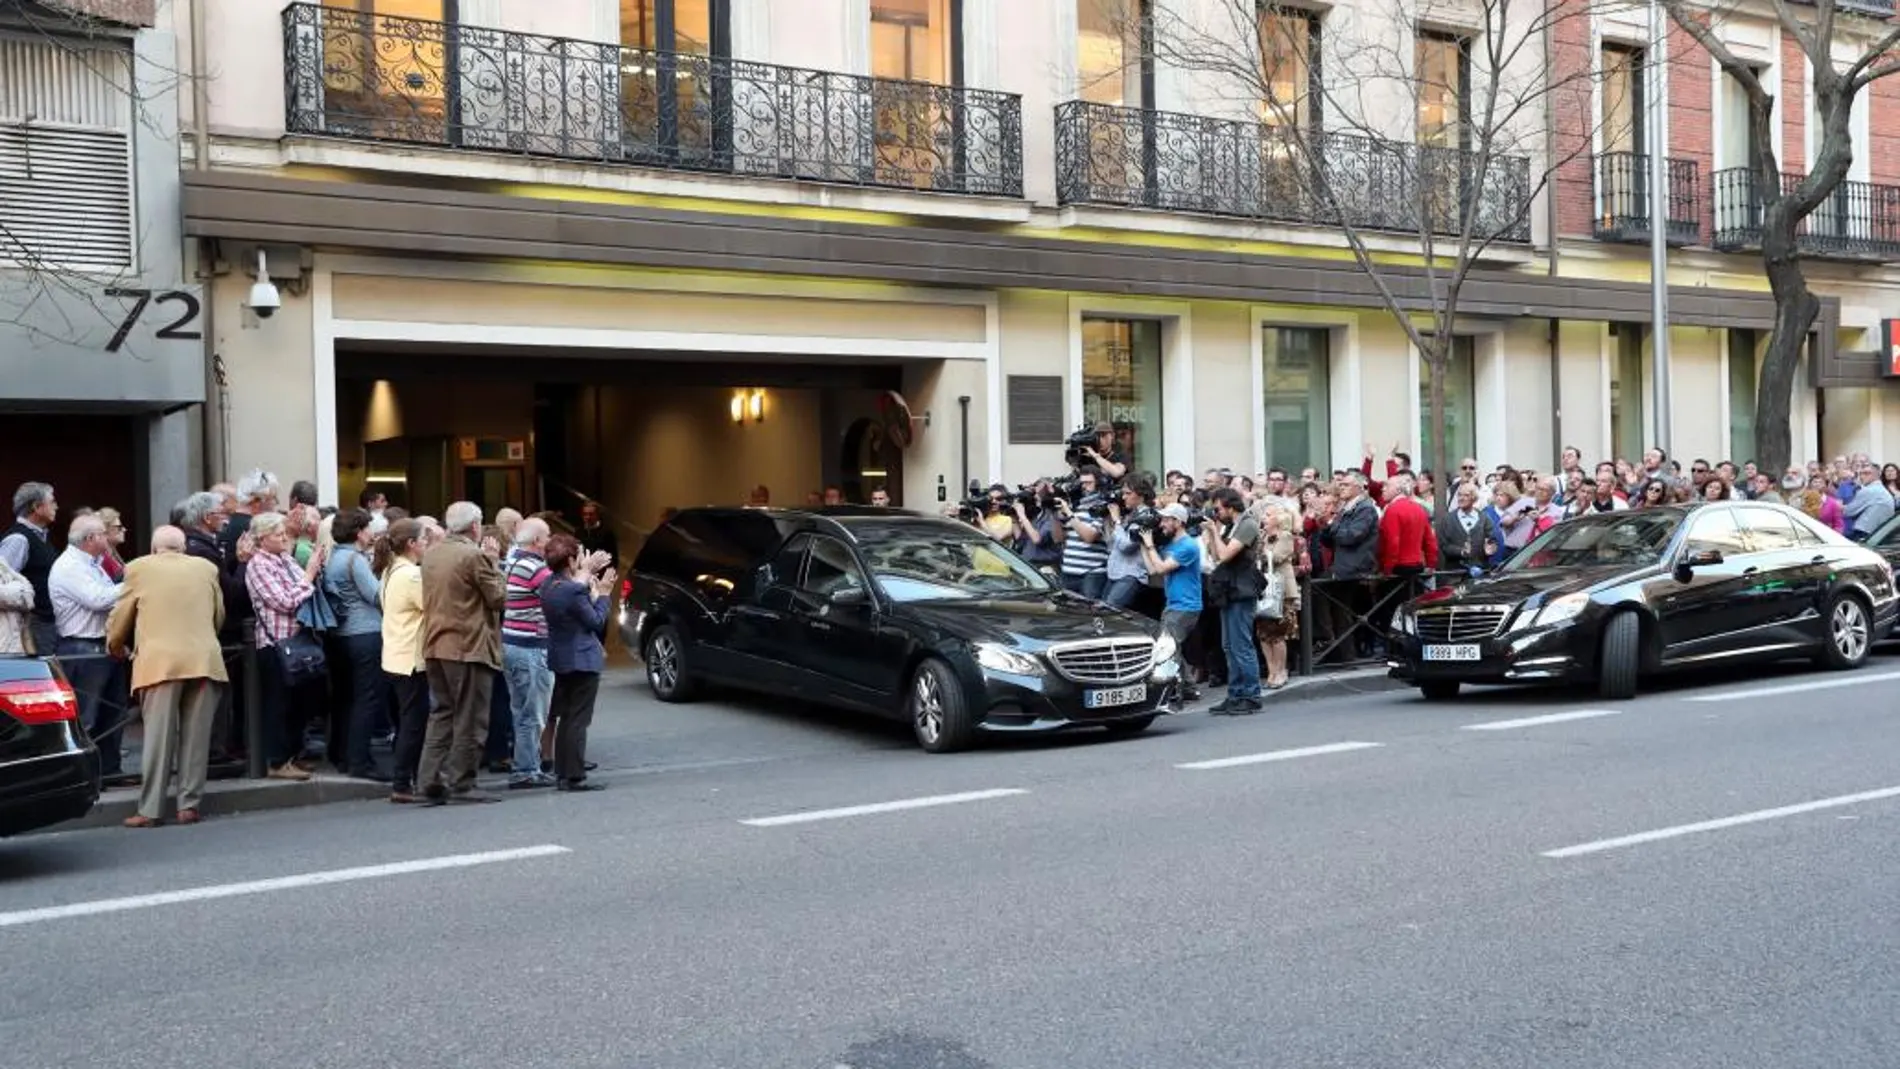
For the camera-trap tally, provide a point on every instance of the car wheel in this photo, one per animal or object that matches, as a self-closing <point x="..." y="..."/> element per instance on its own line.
<point x="1849" y="633"/>
<point x="1620" y="657"/>
<point x="1123" y="728"/>
<point x="667" y="669"/>
<point x="938" y="714"/>
<point x="1439" y="690"/>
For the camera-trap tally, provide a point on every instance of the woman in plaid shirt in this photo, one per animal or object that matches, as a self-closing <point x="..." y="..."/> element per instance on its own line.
<point x="278" y="588"/>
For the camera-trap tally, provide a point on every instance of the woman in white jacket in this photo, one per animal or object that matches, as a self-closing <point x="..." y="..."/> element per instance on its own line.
<point x="16" y="604"/>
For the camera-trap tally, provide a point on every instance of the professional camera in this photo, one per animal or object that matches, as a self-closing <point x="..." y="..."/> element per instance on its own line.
<point x="1081" y="438"/>
<point x="975" y="504"/>
<point x="1145" y="518"/>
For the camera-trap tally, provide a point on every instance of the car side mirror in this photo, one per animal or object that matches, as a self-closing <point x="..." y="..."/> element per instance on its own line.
<point x="849" y="597"/>
<point x="1685" y="568"/>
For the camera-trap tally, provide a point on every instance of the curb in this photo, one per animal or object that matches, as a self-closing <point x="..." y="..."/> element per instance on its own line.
<point x="1339" y="684"/>
<point x="228" y="798"/>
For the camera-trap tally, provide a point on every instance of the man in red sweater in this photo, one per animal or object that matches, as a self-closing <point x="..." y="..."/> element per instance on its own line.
<point x="1407" y="545"/>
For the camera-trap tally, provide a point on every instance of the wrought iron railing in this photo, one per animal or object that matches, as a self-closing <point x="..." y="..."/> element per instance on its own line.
<point x="1858" y="221"/>
<point x="1138" y="158"/>
<point x="358" y="75"/>
<point x="1623" y="195"/>
<point x="1876" y="9"/>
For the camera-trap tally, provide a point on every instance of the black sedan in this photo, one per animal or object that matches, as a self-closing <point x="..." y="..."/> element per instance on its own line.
<point x="49" y="769"/>
<point x="890" y="612"/>
<point x="1617" y="596"/>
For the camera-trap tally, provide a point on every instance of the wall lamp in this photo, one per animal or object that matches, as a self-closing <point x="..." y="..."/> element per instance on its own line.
<point x="748" y="404"/>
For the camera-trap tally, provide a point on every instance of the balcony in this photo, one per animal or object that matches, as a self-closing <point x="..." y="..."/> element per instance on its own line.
<point x="1873" y="9"/>
<point x="1623" y="199"/>
<point x="367" y="77"/>
<point x="1128" y="157"/>
<point x="1859" y="223"/>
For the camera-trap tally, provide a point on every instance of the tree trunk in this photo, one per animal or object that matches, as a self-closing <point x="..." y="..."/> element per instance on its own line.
<point x="1796" y="309"/>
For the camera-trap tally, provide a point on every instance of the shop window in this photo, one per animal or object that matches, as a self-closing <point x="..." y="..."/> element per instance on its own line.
<point x="1741" y="394"/>
<point x="387" y="68"/>
<point x="1121" y="385"/>
<point x="1295" y="365"/>
<point x="1461" y="401"/>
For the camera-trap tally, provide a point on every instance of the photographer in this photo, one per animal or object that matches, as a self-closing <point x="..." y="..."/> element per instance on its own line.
<point x="1127" y="571"/>
<point x="1179" y="565"/>
<point x="1085" y="549"/>
<point x="1103" y="455"/>
<point x="997" y="520"/>
<point x="1039" y="533"/>
<point x="1234" y="586"/>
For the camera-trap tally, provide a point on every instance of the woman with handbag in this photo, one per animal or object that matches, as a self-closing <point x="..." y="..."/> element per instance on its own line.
<point x="289" y="657"/>
<point x="1278" y="616"/>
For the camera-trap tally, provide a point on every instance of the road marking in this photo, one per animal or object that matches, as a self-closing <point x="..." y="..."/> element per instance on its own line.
<point x="1539" y="721"/>
<point x="1278" y="755"/>
<point x="1725" y="822"/>
<point x="279" y="883"/>
<point x="1854" y="680"/>
<point x="811" y="815"/>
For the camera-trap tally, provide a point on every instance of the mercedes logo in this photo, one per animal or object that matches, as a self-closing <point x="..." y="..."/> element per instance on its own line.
<point x="1100" y="627"/>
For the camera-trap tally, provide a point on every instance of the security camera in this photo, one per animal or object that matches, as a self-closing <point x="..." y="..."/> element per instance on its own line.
<point x="265" y="300"/>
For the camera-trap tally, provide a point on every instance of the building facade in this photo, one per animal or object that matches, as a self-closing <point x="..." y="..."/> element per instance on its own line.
<point x="659" y="252"/>
<point x="101" y="350"/>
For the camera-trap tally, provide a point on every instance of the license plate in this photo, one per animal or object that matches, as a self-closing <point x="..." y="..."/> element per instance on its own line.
<point x="1467" y="652"/>
<point x="1106" y="699"/>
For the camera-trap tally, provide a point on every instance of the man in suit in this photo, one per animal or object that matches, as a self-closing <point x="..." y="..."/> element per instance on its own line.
<point x="167" y="620"/>
<point x="1463" y="531"/>
<point x="463" y="594"/>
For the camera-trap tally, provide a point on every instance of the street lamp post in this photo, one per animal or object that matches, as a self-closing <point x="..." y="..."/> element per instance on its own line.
<point x="1659" y="221"/>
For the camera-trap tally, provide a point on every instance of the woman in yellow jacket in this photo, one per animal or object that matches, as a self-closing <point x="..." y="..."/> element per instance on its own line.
<point x="399" y="565"/>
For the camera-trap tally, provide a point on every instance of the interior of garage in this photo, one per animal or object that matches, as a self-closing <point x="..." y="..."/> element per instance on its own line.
<point x="546" y="431"/>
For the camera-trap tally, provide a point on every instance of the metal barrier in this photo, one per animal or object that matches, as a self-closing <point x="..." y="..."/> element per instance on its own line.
<point x="1363" y="606"/>
<point x="241" y="655"/>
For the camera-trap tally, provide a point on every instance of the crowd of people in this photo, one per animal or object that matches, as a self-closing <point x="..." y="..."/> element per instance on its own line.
<point x="454" y="645"/>
<point x="1367" y="540"/>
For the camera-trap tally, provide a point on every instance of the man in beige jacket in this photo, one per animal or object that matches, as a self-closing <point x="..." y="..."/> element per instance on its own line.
<point x="167" y="620"/>
<point x="462" y="597"/>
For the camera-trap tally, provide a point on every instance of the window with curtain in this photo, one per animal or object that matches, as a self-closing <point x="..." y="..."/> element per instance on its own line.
<point x="1121" y="384"/>
<point x="1622" y="180"/>
<point x="1443" y="66"/>
<point x="1295" y="362"/>
<point x="1109" y="60"/>
<point x="384" y="72"/>
<point x="1461" y="400"/>
<point x="915" y="41"/>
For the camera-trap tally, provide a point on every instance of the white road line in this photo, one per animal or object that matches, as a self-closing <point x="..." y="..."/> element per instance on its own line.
<point x="1539" y="721"/>
<point x="1725" y="822"/>
<point x="279" y="883"/>
<point x="1854" y="679"/>
<point x="1278" y="755"/>
<point x="811" y="815"/>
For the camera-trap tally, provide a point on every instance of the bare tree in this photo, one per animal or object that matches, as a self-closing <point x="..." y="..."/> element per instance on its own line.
<point x="1779" y="205"/>
<point x="1440" y="139"/>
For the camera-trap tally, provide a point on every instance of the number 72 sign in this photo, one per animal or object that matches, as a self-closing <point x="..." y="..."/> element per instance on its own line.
<point x="182" y="326"/>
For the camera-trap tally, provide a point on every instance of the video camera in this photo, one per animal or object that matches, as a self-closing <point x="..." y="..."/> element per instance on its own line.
<point x="1081" y="438"/>
<point x="1148" y="518"/>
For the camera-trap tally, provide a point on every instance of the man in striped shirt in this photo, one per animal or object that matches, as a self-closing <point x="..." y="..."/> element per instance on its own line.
<point x="524" y="652"/>
<point x="1085" y="551"/>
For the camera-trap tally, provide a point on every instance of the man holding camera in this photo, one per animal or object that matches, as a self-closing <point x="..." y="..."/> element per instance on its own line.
<point x="1235" y="586"/>
<point x="1178" y="562"/>
<point x="1039" y="533"/>
<point x="1103" y="455"/>
<point x="1127" y="570"/>
<point x="1085" y="549"/>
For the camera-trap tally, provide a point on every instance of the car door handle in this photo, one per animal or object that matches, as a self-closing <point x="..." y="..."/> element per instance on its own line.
<point x="820" y="625"/>
<point x="1751" y="570"/>
<point x="1821" y="559"/>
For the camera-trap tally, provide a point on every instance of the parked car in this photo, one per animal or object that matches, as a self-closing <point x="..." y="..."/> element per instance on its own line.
<point x="1618" y="596"/>
<point x="891" y="612"/>
<point x="49" y="768"/>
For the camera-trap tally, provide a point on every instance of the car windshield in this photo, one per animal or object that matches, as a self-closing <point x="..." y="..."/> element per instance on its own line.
<point x="1887" y="535"/>
<point x="1623" y="539"/>
<point x="935" y="564"/>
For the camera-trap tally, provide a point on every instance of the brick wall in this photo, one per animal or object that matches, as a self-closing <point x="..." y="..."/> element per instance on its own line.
<point x="1573" y="183"/>
<point x="1794" y="106"/>
<point x="1692" y="116"/>
<point x="1883" y="126"/>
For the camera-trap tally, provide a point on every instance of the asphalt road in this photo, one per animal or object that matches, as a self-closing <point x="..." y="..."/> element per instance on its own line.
<point x="1357" y="881"/>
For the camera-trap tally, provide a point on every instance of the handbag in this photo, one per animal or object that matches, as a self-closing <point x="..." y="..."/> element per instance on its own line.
<point x="316" y="613"/>
<point x="1272" y="603"/>
<point x="302" y="658"/>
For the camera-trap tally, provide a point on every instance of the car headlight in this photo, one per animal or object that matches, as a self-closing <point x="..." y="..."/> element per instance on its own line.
<point x="1405" y="621"/>
<point x="992" y="657"/>
<point x="1165" y="650"/>
<point x="1560" y="610"/>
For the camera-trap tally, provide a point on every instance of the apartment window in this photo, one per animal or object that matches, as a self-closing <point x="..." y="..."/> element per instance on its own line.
<point x="669" y="85"/>
<point x="1622" y="118"/>
<point x="1298" y="404"/>
<point x="1443" y="65"/>
<point x="917" y="46"/>
<point x="1461" y="398"/>
<point x="386" y="68"/>
<point x="1738" y="145"/>
<point x="1741" y="394"/>
<point x="916" y="40"/>
<point x="1112" y="66"/>
<point x="1289" y="68"/>
<point x="1121" y="384"/>
<point x="66" y="154"/>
